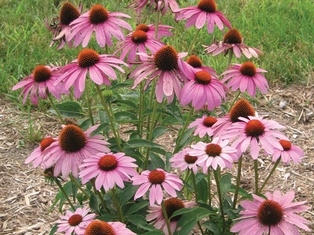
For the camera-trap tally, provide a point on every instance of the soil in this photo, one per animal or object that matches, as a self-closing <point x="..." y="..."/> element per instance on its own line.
<point x="25" y="197"/>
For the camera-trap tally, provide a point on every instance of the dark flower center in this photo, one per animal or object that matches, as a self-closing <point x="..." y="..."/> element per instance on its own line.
<point x="194" y="61"/>
<point x="254" y="128"/>
<point x="156" y="177"/>
<point x="75" y="220"/>
<point x="209" y="121"/>
<point x="41" y="73"/>
<point x="207" y="5"/>
<point x="172" y="205"/>
<point x="248" y="69"/>
<point x="142" y="27"/>
<point x="285" y="144"/>
<point x="242" y="108"/>
<point x="166" y="58"/>
<point x="108" y="162"/>
<point x="98" y="14"/>
<point x="270" y="213"/>
<point x="45" y="143"/>
<point x="72" y="138"/>
<point x="213" y="150"/>
<point x="139" y="36"/>
<point x="87" y="58"/>
<point x="98" y="227"/>
<point x="233" y="37"/>
<point x="68" y="13"/>
<point x="203" y="77"/>
<point x="190" y="159"/>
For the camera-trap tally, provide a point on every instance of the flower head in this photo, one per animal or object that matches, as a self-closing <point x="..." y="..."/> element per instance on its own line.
<point x="214" y="154"/>
<point x="108" y="169"/>
<point x="76" y="221"/>
<point x="183" y="161"/>
<point x="202" y="89"/>
<point x="41" y="83"/>
<point x="157" y="5"/>
<point x="150" y="30"/>
<point x="97" y="227"/>
<point x="205" y="12"/>
<point x="273" y="215"/>
<point x="165" y="65"/>
<point x="288" y="153"/>
<point x="204" y="125"/>
<point x="246" y="77"/>
<point x="197" y="63"/>
<point x="232" y="43"/>
<point x="156" y="181"/>
<point x="157" y="218"/>
<point x="105" y="24"/>
<point x="73" y="146"/>
<point x="99" y="68"/>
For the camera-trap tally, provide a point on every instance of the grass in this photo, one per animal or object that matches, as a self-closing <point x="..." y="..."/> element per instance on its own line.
<point x="283" y="30"/>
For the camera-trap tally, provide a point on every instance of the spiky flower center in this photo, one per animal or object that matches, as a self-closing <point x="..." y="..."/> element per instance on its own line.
<point x="242" y="108"/>
<point x="98" y="14"/>
<point x="209" y="121"/>
<point x="68" y="13"/>
<point x="172" y="205"/>
<point x="142" y="27"/>
<point x="156" y="177"/>
<point x="72" y="138"/>
<point x="194" y="61"/>
<point x="233" y="36"/>
<point x="87" y="58"/>
<point x="108" y="162"/>
<point x="41" y="73"/>
<point x="213" y="150"/>
<point x="166" y="58"/>
<point x="248" y="69"/>
<point x="270" y="213"/>
<point x="98" y="227"/>
<point x="203" y="77"/>
<point x="45" y="143"/>
<point x="286" y="145"/>
<point x="190" y="159"/>
<point x="139" y="36"/>
<point x="75" y="220"/>
<point x="254" y="128"/>
<point x="207" y="5"/>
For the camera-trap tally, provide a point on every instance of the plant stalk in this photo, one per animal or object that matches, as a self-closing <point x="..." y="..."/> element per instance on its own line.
<point x="79" y="186"/>
<point x="217" y="179"/>
<point x="64" y="193"/>
<point x="235" y="198"/>
<point x="165" y="214"/>
<point x="55" y="108"/>
<point x="256" y="176"/>
<point x="270" y="174"/>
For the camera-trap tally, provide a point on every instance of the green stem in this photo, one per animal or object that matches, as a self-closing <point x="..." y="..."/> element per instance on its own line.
<point x="79" y="186"/>
<point x="270" y="174"/>
<point x="157" y="25"/>
<point x="209" y="188"/>
<point x="230" y="58"/>
<point x="217" y="179"/>
<point x="64" y="193"/>
<point x="256" y="176"/>
<point x="55" y="108"/>
<point x="115" y="199"/>
<point x="194" y="40"/>
<point x="234" y="100"/>
<point x="194" y="183"/>
<point x="100" y="197"/>
<point x="237" y="183"/>
<point x="165" y="214"/>
<point x="200" y="226"/>
<point x="90" y="114"/>
<point x="141" y="110"/>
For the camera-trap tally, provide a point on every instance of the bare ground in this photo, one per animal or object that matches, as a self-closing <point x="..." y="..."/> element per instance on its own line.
<point x="25" y="197"/>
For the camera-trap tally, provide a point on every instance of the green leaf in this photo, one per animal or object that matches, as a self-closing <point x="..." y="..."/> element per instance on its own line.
<point x="140" y="222"/>
<point x="156" y="161"/>
<point x="128" y="103"/>
<point x="225" y="183"/>
<point x="212" y="227"/>
<point x="53" y="230"/>
<point x="139" y="143"/>
<point x="93" y="203"/>
<point x="127" y="193"/>
<point x="187" y="135"/>
<point x="202" y="190"/>
<point x="100" y="128"/>
<point x="158" y="131"/>
<point x="136" y="207"/>
<point x="157" y="232"/>
<point x="125" y="117"/>
<point x="69" y="109"/>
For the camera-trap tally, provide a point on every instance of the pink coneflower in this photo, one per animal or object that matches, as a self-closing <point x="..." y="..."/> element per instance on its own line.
<point x="214" y="154"/>
<point x="163" y="30"/>
<point x="273" y="215"/>
<point x="157" y="5"/>
<point x="167" y="66"/>
<point x="204" y="126"/>
<point x="99" y="68"/>
<point x="61" y="25"/>
<point x="36" y="156"/>
<point x="205" y="11"/>
<point x="203" y="89"/>
<point x="157" y="218"/>
<point x="183" y="161"/>
<point x="98" y="227"/>
<point x="72" y="147"/>
<point x="108" y="169"/>
<point x="232" y="43"/>
<point x="105" y="24"/>
<point x="156" y="181"/>
<point x="289" y="152"/>
<point x="41" y="83"/>
<point x="253" y="132"/>
<point x="197" y="63"/>
<point x="246" y="77"/>
<point x="138" y="41"/>
<point x="75" y="221"/>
